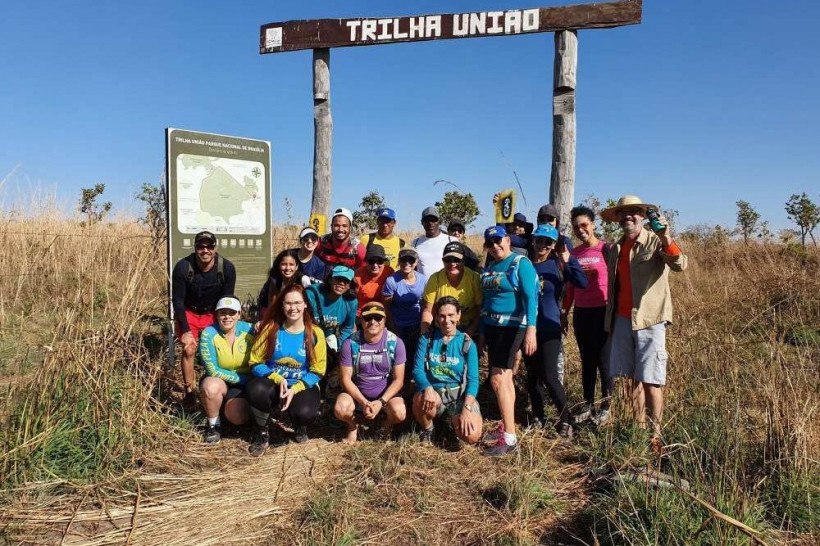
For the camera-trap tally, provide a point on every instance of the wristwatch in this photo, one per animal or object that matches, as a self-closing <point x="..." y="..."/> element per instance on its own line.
<point x="470" y="407"/>
<point x="384" y="403"/>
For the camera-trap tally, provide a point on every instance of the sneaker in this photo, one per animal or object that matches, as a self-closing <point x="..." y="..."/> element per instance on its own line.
<point x="585" y="415"/>
<point x="426" y="436"/>
<point x="565" y="431"/>
<point x="260" y="444"/>
<point x="301" y="436"/>
<point x="212" y="434"/>
<point x="604" y="418"/>
<point x="500" y="448"/>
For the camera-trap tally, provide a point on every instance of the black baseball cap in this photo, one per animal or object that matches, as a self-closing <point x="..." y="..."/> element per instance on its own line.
<point x="204" y="236"/>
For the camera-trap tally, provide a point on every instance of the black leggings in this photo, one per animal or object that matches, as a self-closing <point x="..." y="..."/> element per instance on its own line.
<point x="263" y="395"/>
<point x="542" y="376"/>
<point x="588" y="324"/>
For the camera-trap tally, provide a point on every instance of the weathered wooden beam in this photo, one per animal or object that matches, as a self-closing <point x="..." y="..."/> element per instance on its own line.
<point x="322" y="133"/>
<point x="562" y="175"/>
<point x="326" y="33"/>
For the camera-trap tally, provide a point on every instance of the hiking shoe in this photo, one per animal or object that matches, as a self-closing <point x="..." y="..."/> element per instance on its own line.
<point x="301" y="436"/>
<point x="212" y="434"/>
<point x="585" y="415"/>
<point x="500" y="448"/>
<point x="565" y="431"/>
<point x="604" y="418"/>
<point x="426" y="436"/>
<point x="260" y="444"/>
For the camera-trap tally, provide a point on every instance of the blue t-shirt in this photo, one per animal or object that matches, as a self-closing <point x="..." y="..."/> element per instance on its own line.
<point x="441" y="365"/>
<point x="405" y="307"/>
<point x="550" y="286"/>
<point x="289" y="359"/>
<point x="505" y="304"/>
<point x="334" y="316"/>
<point x="314" y="268"/>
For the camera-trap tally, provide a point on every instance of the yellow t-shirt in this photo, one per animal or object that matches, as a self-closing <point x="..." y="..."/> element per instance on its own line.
<point x="468" y="293"/>
<point x="391" y="246"/>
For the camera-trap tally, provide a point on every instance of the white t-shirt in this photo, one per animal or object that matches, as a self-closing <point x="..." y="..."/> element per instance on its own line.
<point x="430" y="250"/>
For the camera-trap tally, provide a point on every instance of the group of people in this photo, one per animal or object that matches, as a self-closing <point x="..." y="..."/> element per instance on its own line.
<point x="377" y="327"/>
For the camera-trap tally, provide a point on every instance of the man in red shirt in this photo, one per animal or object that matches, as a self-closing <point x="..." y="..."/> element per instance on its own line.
<point x="338" y="247"/>
<point x="640" y="305"/>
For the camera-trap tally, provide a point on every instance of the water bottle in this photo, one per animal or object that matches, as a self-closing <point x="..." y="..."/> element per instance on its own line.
<point x="654" y="222"/>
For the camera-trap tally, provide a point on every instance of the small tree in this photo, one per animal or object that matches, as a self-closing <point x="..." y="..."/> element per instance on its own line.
<point x="89" y="206"/>
<point x="364" y="218"/>
<point x="803" y="212"/>
<point x="747" y="220"/>
<point x="611" y="230"/>
<point x="156" y="207"/>
<point x="458" y="206"/>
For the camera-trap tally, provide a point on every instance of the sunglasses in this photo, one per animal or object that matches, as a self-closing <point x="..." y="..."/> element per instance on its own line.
<point x="369" y="318"/>
<point x="407" y="260"/>
<point x="311" y="238"/>
<point x="375" y="261"/>
<point x="581" y="225"/>
<point x="341" y="280"/>
<point x="442" y="356"/>
<point x="452" y="260"/>
<point x="208" y="246"/>
<point x="493" y="241"/>
<point x="545" y="241"/>
<point x="229" y="312"/>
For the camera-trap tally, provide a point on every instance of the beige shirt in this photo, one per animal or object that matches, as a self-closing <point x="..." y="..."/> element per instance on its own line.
<point x="649" y="268"/>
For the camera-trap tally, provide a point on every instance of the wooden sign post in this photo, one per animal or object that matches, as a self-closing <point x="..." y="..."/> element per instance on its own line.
<point x="322" y="34"/>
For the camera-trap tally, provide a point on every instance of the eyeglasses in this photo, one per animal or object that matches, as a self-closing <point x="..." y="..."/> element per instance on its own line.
<point x="370" y="318"/>
<point x="493" y="241"/>
<point x="375" y="261"/>
<point x="205" y="246"/>
<point x="452" y="260"/>
<point x="407" y="260"/>
<point x="341" y="280"/>
<point x="310" y="238"/>
<point x="544" y="241"/>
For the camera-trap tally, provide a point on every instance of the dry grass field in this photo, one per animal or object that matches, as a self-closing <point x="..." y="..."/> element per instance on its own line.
<point x="94" y="448"/>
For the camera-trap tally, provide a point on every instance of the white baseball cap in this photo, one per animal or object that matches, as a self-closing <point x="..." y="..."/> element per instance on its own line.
<point x="229" y="302"/>
<point x="341" y="211"/>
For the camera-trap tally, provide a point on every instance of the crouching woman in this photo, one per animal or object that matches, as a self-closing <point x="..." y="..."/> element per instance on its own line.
<point x="446" y="375"/>
<point x="288" y="360"/>
<point x="372" y="374"/>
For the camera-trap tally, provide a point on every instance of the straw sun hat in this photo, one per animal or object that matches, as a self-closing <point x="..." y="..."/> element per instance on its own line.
<point x="626" y="202"/>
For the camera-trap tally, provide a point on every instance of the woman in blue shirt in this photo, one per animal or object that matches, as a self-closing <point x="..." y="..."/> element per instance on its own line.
<point x="446" y="375"/>
<point x="402" y="294"/>
<point x="553" y="269"/>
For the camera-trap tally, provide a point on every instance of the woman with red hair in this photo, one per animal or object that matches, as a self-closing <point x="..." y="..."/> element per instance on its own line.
<point x="288" y="360"/>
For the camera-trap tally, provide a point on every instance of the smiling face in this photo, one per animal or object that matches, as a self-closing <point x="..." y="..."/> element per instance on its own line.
<point x="309" y="242"/>
<point x="288" y="267"/>
<point x="293" y="305"/>
<point x="373" y="325"/>
<point x="631" y="220"/>
<point x="583" y="227"/>
<point x="340" y="227"/>
<point x="205" y="251"/>
<point x="407" y="264"/>
<point x="453" y="266"/>
<point x="498" y="247"/>
<point x="339" y="285"/>
<point x="447" y="319"/>
<point x="375" y="266"/>
<point x="226" y="318"/>
<point x="543" y="246"/>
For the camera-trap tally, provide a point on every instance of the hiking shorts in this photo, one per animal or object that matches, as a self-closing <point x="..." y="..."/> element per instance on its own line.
<point x="502" y="344"/>
<point x="196" y="322"/>
<point x="638" y="354"/>
<point x="451" y="403"/>
<point x="234" y="390"/>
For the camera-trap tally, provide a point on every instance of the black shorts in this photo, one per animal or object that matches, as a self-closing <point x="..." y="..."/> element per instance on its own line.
<point x="234" y="391"/>
<point x="502" y="344"/>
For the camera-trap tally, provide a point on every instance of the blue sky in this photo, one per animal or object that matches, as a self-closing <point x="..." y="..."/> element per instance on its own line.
<point x="704" y="103"/>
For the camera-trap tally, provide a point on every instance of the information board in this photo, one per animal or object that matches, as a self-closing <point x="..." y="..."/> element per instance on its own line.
<point x="221" y="184"/>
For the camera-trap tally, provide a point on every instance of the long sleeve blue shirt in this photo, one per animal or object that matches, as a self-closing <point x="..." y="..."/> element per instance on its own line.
<point x="550" y="290"/>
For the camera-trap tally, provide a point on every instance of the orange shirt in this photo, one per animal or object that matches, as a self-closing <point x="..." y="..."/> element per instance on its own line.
<point x="624" y="279"/>
<point x="369" y="288"/>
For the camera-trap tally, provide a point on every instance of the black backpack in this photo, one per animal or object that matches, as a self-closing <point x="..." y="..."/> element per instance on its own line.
<point x="220" y="269"/>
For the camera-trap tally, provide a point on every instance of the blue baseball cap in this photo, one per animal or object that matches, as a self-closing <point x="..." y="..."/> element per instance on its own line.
<point x="386" y="212"/>
<point x="546" y="230"/>
<point x="494" y="231"/>
<point x="341" y="271"/>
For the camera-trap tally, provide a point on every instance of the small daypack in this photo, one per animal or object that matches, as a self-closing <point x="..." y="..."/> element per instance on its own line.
<point x="465" y="350"/>
<point x="220" y="269"/>
<point x="356" y="350"/>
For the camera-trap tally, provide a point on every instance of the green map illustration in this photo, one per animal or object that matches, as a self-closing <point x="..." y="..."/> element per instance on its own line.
<point x="221" y="192"/>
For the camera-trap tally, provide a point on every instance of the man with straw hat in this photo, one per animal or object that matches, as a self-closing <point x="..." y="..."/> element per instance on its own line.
<point x="640" y="304"/>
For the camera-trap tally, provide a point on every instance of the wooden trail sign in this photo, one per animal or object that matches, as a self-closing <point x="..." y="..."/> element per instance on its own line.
<point x="322" y="34"/>
<point x="328" y="33"/>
